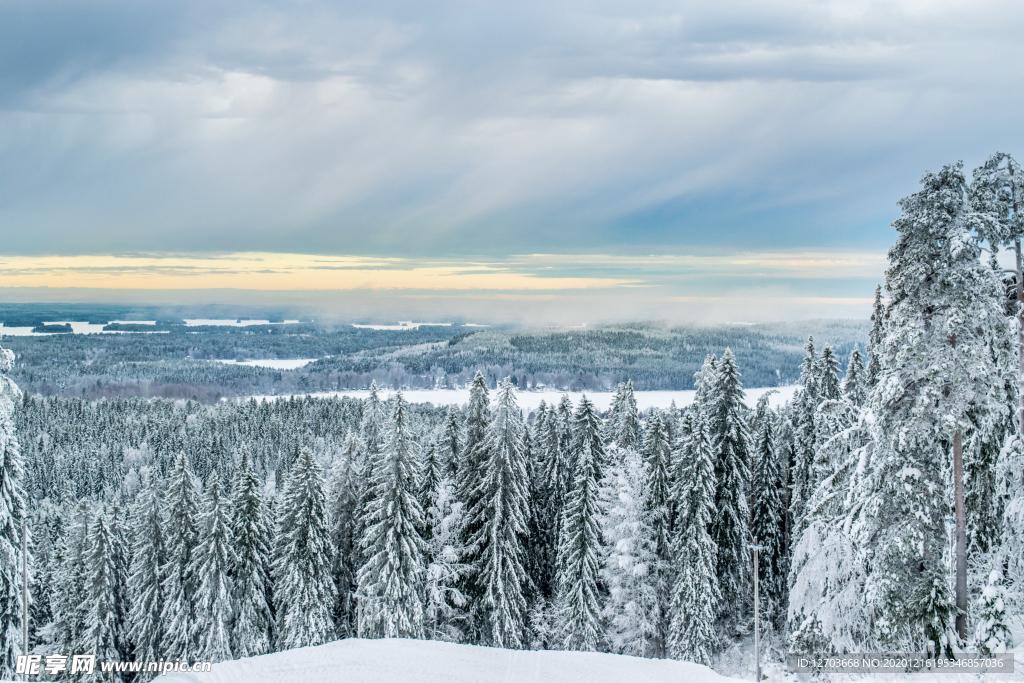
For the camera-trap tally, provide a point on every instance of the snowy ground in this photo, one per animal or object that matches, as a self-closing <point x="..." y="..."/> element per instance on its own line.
<point x="423" y="661"/>
<point x="529" y="400"/>
<point x="287" y="364"/>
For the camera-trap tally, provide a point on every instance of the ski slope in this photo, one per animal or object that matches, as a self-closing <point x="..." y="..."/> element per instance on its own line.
<point x="355" y="660"/>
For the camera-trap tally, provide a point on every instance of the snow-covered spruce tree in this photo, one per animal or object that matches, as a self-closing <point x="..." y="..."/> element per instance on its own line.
<point x="119" y="526"/>
<point x="657" y="452"/>
<point x="431" y="472"/>
<point x="253" y="624"/>
<point x="624" y="422"/>
<point x="343" y="506"/>
<point x="729" y="528"/>
<point x="875" y="340"/>
<point x="804" y="407"/>
<point x="13" y="522"/>
<point x="477" y="419"/>
<point x="391" y="581"/>
<point x="945" y="356"/>
<point x="854" y="382"/>
<point x="445" y="604"/>
<point x="497" y="548"/>
<point x="71" y="598"/>
<point x="212" y="561"/>
<point x="580" y="542"/>
<point x="103" y="635"/>
<point x="828" y="376"/>
<point x="450" y="444"/>
<point x="992" y="632"/>
<point x="766" y="511"/>
<point x="372" y="440"/>
<point x="695" y="593"/>
<point x="551" y="444"/>
<point x="145" y="595"/>
<point x="630" y="565"/>
<point x="304" y="593"/>
<point x="179" y="582"/>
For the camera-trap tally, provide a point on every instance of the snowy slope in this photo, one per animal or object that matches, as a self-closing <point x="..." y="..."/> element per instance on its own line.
<point x="422" y="661"/>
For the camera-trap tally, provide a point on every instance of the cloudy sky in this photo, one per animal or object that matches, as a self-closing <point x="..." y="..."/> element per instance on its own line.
<point x="575" y="161"/>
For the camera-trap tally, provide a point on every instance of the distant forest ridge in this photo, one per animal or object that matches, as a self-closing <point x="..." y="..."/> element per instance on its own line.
<point x="177" y="362"/>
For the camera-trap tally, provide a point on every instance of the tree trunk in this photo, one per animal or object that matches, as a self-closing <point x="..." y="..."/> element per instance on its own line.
<point x="961" y="537"/>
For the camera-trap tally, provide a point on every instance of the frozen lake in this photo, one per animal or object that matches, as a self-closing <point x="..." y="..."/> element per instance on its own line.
<point x="530" y="400"/>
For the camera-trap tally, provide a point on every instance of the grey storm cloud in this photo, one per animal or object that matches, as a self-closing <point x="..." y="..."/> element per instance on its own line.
<point x="458" y="127"/>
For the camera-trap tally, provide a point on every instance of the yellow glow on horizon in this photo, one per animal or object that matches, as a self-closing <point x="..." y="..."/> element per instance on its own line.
<point x="278" y="272"/>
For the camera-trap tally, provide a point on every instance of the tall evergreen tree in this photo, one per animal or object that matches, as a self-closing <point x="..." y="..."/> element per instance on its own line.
<point x="946" y="357"/>
<point x="144" y="590"/>
<point x="179" y="581"/>
<point x="253" y="624"/>
<point x="71" y="597"/>
<point x="445" y="603"/>
<point x="729" y="527"/>
<point x="854" y="383"/>
<point x="346" y="484"/>
<point x="657" y="452"/>
<point x="304" y="593"/>
<point x="804" y="408"/>
<point x="624" y="422"/>
<point x="497" y="548"/>
<point x="450" y="444"/>
<point x="695" y="593"/>
<point x="630" y="565"/>
<point x="103" y="635"/>
<point x="392" y="578"/>
<point x="766" y="513"/>
<point x="581" y="536"/>
<point x="828" y="376"/>
<point x="13" y="522"/>
<point x="875" y="339"/>
<point x="213" y="558"/>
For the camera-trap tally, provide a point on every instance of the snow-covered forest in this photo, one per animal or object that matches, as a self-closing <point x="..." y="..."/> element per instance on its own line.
<point x="887" y="495"/>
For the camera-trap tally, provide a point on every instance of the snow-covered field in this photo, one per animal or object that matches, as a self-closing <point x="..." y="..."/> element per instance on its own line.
<point x="219" y="322"/>
<point x="530" y="400"/>
<point x="423" y="661"/>
<point x="287" y="364"/>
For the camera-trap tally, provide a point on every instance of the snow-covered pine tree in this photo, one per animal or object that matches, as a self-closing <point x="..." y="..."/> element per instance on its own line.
<point x="695" y="593"/>
<point x="103" y="635"/>
<point x="729" y="528"/>
<point x="828" y="375"/>
<point x="945" y="359"/>
<point x="445" y="604"/>
<point x="343" y="505"/>
<point x="13" y="522"/>
<point x="580" y="542"/>
<point x="497" y="547"/>
<point x="431" y="472"/>
<point x="766" y="513"/>
<point x="391" y="581"/>
<point x="854" y="383"/>
<point x="624" y="422"/>
<point x="551" y="443"/>
<point x="477" y="419"/>
<point x="211" y="562"/>
<point x="304" y="593"/>
<point x="630" y="566"/>
<point x="992" y="632"/>
<point x="179" y="582"/>
<point x="253" y="624"/>
<point x="370" y="434"/>
<point x="145" y="595"/>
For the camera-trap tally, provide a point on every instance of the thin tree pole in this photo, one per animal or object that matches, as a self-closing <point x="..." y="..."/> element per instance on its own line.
<point x="961" y="537"/>
<point x="757" y="619"/>
<point x="24" y="590"/>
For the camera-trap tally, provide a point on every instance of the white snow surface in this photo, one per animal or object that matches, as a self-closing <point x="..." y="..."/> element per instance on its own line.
<point x="77" y="327"/>
<point x="276" y="364"/>
<point x="530" y="400"/>
<point x="196" y="322"/>
<point x="355" y="660"/>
